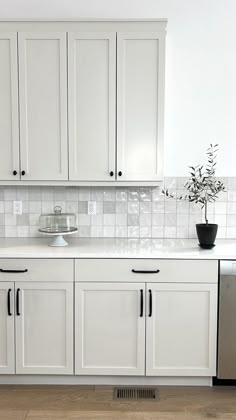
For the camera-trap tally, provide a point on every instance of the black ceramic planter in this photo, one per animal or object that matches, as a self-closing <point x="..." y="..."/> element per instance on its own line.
<point x="206" y="234"/>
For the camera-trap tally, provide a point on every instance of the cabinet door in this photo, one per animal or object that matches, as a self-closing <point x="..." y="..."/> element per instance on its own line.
<point x="92" y="105"/>
<point x="181" y="331"/>
<point x="109" y="331"/>
<point x="9" y="118"/>
<point x="7" y="351"/>
<point x="43" y="105"/>
<point x="140" y="105"/>
<point x="44" y="328"/>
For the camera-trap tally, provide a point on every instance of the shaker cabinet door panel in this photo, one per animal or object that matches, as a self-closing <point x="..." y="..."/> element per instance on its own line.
<point x="181" y="331"/>
<point x="92" y="105"/>
<point x="44" y="328"/>
<point x="43" y="105"/>
<point x="7" y="350"/>
<point x="109" y="331"/>
<point x="9" y="118"/>
<point x="140" y="105"/>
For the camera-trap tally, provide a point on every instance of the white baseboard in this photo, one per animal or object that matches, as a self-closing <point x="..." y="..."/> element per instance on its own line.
<point x="103" y="380"/>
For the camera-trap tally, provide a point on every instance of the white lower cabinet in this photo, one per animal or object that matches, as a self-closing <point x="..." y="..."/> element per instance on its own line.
<point x="110" y="329"/>
<point x="44" y="328"/>
<point x="181" y="329"/>
<point x="7" y="351"/>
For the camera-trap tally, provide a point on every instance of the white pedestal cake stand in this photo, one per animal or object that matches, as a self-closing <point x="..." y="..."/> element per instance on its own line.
<point x="58" y="239"/>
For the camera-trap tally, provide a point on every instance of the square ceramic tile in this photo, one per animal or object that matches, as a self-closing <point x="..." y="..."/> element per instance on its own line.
<point x="145" y="232"/>
<point x="9" y="193"/>
<point x="133" y="208"/>
<point x="158" y="219"/>
<point x="109" y="207"/>
<point x="84" y="194"/>
<point x="23" y="231"/>
<point x="121" y="219"/>
<point x="8" y="206"/>
<point x="121" y="231"/>
<point x="96" y="231"/>
<point x="22" y="193"/>
<point x="47" y="207"/>
<point x="133" y="219"/>
<point x="35" y="207"/>
<point x="109" y="194"/>
<point x="133" y="231"/>
<point x="84" y="231"/>
<point x="2" y="219"/>
<point x="96" y="194"/>
<point x="157" y="232"/>
<point x="83" y="207"/>
<point x="145" y="207"/>
<point x="109" y="219"/>
<point x="145" y="220"/>
<point x="22" y="219"/>
<point x="170" y="232"/>
<point x="35" y="194"/>
<point x="145" y="194"/>
<point x="220" y="207"/>
<point x="47" y="193"/>
<point x="109" y="231"/>
<point x="170" y="219"/>
<point x="121" y="194"/>
<point x="84" y="219"/>
<point x="11" y="231"/>
<point x="133" y="194"/>
<point x="10" y="219"/>
<point x="121" y="207"/>
<point x="96" y="219"/>
<point x="182" y="232"/>
<point x="158" y="207"/>
<point x="1" y="206"/>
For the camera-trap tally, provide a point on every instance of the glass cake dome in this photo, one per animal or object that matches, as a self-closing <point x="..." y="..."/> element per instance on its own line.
<point x="58" y="224"/>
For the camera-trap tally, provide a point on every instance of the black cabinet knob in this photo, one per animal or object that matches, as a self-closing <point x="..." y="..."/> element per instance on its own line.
<point x="23" y="173"/>
<point x="120" y="173"/>
<point x="14" y="172"/>
<point x="111" y="173"/>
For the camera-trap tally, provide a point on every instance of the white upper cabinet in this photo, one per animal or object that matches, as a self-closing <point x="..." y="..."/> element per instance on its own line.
<point x="140" y="105"/>
<point x="181" y="329"/>
<point x="7" y="350"/>
<point x="43" y="105"/>
<point x="9" y="123"/>
<point x="92" y="105"/>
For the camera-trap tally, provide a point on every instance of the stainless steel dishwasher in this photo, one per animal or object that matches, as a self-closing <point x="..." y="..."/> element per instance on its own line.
<point x="227" y="321"/>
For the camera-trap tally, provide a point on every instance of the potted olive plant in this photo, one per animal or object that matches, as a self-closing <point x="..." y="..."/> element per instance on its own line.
<point x="203" y="188"/>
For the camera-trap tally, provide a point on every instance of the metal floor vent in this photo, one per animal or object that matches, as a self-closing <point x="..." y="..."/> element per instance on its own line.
<point x="130" y="393"/>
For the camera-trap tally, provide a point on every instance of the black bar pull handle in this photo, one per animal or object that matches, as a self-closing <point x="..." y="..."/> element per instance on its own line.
<point x="9" y="302"/>
<point x="17" y="302"/>
<point x="141" y="303"/>
<point x="145" y="271"/>
<point x="150" y="303"/>
<point x="13" y="271"/>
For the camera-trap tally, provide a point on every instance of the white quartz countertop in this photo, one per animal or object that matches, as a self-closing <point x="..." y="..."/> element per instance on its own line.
<point x="116" y="248"/>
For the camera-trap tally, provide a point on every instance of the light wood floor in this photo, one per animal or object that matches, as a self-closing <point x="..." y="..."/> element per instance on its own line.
<point x="96" y="403"/>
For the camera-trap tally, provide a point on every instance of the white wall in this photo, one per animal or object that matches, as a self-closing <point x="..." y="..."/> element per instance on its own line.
<point x="200" y="68"/>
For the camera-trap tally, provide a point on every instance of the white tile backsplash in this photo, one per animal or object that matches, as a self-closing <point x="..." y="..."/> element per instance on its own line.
<point x="133" y="212"/>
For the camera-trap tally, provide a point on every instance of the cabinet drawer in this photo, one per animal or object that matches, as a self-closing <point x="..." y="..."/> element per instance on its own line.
<point x="170" y="271"/>
<point x="42" y="270"/>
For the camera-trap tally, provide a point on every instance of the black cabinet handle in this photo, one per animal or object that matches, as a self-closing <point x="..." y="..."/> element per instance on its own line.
<point x="150" y="303"/>
<point x="9" y="302"/>
<point x="13" y="271"/>
<point x="145" y="271"/>
<point x="141" y="303"/>
<point x="120" y="173"/>
<point x="17" y="302"/>
<point x="111" y="173"/>
<point x="23" y="173"/>
<point x="14" y="172"/>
